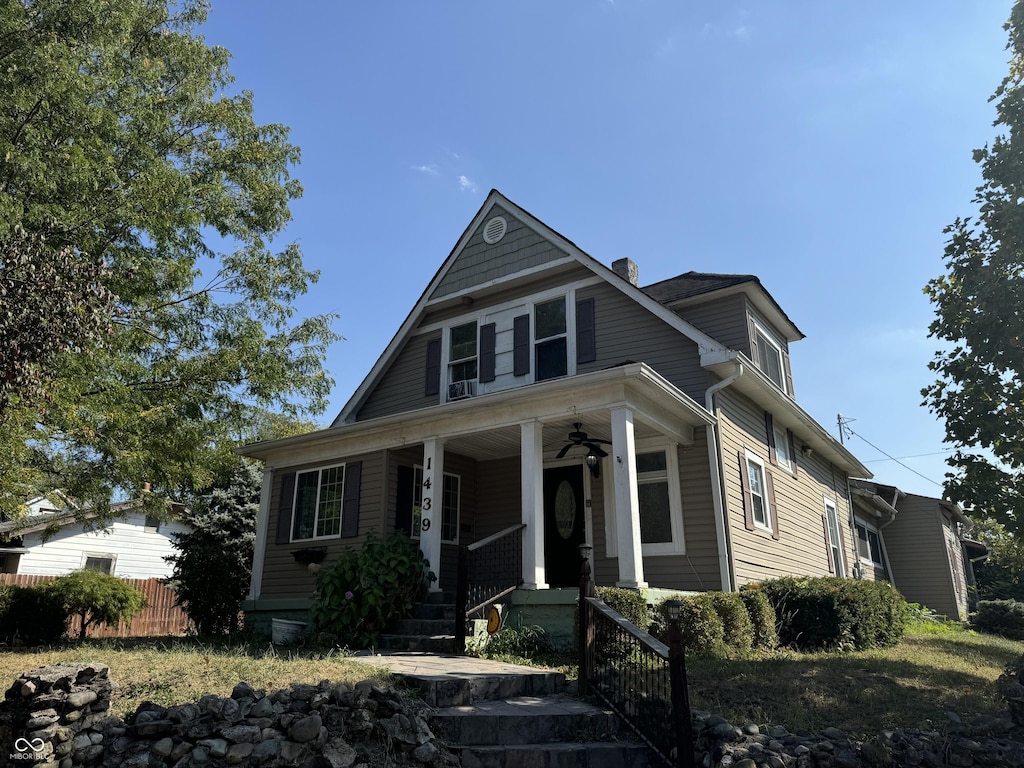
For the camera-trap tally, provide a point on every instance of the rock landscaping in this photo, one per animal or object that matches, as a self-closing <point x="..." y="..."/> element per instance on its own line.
<point x="58" y="717"/>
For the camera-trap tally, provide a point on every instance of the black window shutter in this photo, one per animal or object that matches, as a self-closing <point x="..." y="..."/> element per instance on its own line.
<point x="521" y="345"/>
<point x="788" y="374"/>
<point x="284" y="509"/>
<point x="772" y="507"/>
<point x="404" y="497"/>
<point x="748" y="501"/>
<point x="586" y="331"/>
<point x="350" y="501"/>
<point x="769" y="428"/>
<point x="487" y="342"/>
<point x="432" y="382"/>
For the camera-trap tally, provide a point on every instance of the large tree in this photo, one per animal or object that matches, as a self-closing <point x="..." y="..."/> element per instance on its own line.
<point x="128" y="159"/>
<point x="979" y="306"/>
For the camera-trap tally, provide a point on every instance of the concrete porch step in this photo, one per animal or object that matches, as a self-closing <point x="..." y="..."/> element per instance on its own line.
<point x="434" y="611"/>
<point x="416" y="626"/>
<point x="557" y="755"/>
<point x="525" y="720"/>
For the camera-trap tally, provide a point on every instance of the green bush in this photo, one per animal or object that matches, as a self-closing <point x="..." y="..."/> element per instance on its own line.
<point x="96" y="598"/>
<point x="762" y="619"/>
<point x="699" y="623"/>
<point x="369" y="588"/>
<point x="31" y="616"/>
<point x="628" y="603"/>
<point x="832" y="613"/>
<point x="1000" y="617"/>
<point x="736" y="625"/>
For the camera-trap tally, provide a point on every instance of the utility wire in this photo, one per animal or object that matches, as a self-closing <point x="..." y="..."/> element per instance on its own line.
<point x="911" y="469"/>
<point x="915" y="456"/>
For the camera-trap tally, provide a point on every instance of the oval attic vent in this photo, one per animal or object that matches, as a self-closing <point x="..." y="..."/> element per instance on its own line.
<point x="495" y="229"/>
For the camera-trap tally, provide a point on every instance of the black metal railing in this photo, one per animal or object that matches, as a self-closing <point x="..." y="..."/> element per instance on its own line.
<point x="489" y="570"/>
<point x="639" y="677"/>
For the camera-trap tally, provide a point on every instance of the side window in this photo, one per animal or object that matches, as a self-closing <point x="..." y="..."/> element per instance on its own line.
<point x="835" y="540"/>
<point x="97" y="562"/>
<point x="758" y="493"/>
<point x="661" y="513"/>
<point x="550" y="341"/>
<point x="768" y="356"/>
<point x="319" y="495"/>
<point x="869" y="548"/>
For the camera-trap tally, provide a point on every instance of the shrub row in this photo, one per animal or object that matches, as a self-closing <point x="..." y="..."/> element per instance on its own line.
<point x="835" y="614"/>
<point x="711" y="622"/>
<point x="1000" y="617"/>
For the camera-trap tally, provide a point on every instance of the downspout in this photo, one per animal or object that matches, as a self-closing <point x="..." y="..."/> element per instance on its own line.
<point x="718" y="485"/>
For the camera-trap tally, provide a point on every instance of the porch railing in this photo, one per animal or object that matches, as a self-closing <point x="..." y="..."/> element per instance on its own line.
<point x="639" y="677"/>
<point x="489" y="570"/>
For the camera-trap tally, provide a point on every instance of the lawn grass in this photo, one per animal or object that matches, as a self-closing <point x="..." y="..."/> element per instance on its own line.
<point x="914" y="684"/>
<point x="179" y="670"/>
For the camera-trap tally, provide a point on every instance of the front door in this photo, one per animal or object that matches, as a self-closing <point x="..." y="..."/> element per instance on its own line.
<point x="564" y="524"/>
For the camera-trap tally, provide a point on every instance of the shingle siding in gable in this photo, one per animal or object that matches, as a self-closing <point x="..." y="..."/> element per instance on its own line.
<point x="627" y="331"/>
<point x="521" y="248"/>
<point x="401" y="386"/>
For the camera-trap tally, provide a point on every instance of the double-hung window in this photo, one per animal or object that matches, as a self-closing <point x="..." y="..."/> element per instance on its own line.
<point x="835" y="546"/>
<point x="462" y="353"/>
<point x="551" y="343"/>
<point x="318" y="498"/>
<point x="769" y="356"/>
<point x="782" y="455"/>
<point x="869" y="548"/>
<point x="758" y="493"/>
<point x="450" y="505"/>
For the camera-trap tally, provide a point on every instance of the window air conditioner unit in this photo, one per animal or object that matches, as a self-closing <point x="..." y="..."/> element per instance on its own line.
<point x="460" y="390"/>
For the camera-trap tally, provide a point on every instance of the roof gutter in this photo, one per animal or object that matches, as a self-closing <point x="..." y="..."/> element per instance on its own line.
<point x="718" y="481"/>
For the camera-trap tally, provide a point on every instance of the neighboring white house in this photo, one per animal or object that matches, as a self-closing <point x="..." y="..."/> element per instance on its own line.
<point x="132" y="546"/>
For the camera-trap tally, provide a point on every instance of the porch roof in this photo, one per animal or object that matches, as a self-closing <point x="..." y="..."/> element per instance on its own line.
<point x="487" y="426"/>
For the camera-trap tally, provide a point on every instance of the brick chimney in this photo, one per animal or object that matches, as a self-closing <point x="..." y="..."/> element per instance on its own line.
<point x="627" y="269"/>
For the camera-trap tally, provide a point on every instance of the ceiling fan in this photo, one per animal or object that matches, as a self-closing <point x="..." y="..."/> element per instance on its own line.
<point x="579" y="438"/>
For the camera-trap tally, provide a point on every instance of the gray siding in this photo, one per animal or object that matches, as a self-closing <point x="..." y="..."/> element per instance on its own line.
<point x="282" y="576"/>
<point x="627" y="331"/>
<point x="802" y="548"/>
<point x="919" y="556"/>
<point x="401" y="386"/>
<point x="479" y="263"/>
<point x="724" y="320"/>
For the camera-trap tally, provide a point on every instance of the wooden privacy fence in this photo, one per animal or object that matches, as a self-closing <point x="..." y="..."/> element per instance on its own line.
<point x="160" y="616"/>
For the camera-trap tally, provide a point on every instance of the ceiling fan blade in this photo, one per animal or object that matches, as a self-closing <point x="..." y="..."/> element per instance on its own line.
<point x="598" y="440"/>
<point x="565" y="450"/>
<point x="596" y="449"/>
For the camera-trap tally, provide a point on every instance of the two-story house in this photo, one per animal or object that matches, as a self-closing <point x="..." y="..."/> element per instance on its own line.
<point x="532" y="384"/>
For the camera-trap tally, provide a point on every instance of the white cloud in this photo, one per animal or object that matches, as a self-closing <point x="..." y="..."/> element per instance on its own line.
<point x="467" y="185"/>
<point x="430" y="169"/>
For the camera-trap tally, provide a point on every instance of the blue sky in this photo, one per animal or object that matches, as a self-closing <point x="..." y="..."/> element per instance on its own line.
<point x="822" y="146"/>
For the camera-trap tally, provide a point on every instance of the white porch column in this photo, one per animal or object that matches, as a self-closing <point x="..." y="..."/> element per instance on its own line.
<point x="430" y="512"/>
<point x="260" y="546"/>
<point x="531" y="475"/>
<point x="627" y="501"/>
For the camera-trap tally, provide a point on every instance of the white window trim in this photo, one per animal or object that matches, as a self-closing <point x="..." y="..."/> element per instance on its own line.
<point x="781" y="437"/>
<point x="770" y="338"/>
<point x="872" y="529"/>
<point x="838" y="545"/>
<point x="105" y="556"/>
<point x="458" y="504"/>
<point x="675" y="503"/>
<point x="316" y="513"/>
<point x="753" y="458"/>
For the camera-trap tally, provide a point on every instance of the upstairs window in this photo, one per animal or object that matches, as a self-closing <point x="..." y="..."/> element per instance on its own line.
<point x="769" y="357"/>
<point x="462" y="353"/>
<point x="869" y="548"/>
<point x="782" y="454"/>
<point x="758" y="494"/>
<point x="318" y="499"/>
<point x="551" y="348"/>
